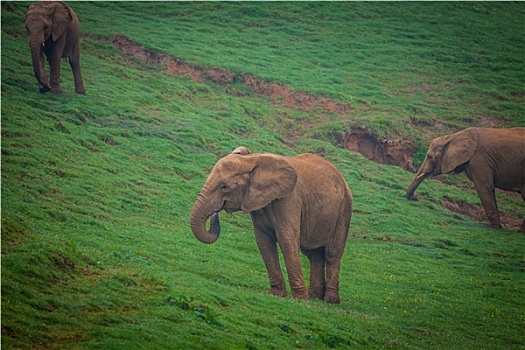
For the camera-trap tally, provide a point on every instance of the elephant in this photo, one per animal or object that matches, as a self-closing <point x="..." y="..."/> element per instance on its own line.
<point x="53" y="31"/>
<point x="301" y="203"/>
<point x="492" y="158"/>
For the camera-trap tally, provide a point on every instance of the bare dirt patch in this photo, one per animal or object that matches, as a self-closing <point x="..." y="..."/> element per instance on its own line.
<point x="384" y="151"/>
<point x="278" y="93"/>
<point x="478" y="213"/>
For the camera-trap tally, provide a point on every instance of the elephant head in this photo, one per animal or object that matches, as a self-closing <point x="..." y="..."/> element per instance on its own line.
<point x="45" y="21"/>
<point x="240" y="181"/>
<point x="241" y="150"/>
<point x="446" y="154"/>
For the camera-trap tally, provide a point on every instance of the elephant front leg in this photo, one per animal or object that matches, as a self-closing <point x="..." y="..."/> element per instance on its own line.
<point x="487" y="196"/>
<point x="268" y="249"/>
<point x="290" y="250"/>
<point x="54" y="69"/>
<point x="54" y="80"/>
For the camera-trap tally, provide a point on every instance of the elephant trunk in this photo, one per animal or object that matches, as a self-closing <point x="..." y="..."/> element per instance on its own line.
<point x="38" y="66"/>
<point x="420" y="176"/>
<point x="198" y="217"/>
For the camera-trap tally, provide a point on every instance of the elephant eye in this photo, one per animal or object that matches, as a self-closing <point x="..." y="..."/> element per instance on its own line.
<point x="224" y="187"/>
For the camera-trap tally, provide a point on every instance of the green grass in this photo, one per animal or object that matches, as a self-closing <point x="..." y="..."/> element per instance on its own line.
<point x="96" y="190"/>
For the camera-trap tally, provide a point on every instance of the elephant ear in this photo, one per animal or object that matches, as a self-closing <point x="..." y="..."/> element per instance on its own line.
<point x="460" y="148"/>
<point x="61" y="19"/>
<point x="272" y="177"/>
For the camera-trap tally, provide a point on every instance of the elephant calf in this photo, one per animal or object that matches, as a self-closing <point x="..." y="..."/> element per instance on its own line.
<point x="491" y="158"/>
<point x="302" y="203"/>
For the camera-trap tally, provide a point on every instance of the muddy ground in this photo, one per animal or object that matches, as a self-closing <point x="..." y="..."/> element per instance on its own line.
<point x="478" y="213"/>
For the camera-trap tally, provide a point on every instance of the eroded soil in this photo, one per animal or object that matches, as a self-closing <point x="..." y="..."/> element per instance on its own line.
<point x="383" y="151"/>
<point x="478" y="213"/>
<point x="278" y="93"/>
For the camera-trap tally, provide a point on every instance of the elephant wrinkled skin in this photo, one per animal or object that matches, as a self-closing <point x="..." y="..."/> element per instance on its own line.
<point x="302" y="203"/>
<point x="491" y="158"/>
<point x="53" y="31"/>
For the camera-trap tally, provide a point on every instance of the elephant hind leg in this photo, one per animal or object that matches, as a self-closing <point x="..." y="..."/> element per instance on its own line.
<point x="317" y="273"/>
<point x="522" y="229"/>
<point x="333" y="265"/>
<point x="333" y="254"/>
<point x="74" y="62"/>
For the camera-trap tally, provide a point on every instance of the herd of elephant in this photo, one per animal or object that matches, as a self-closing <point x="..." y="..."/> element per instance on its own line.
<point x="301" y="203"/>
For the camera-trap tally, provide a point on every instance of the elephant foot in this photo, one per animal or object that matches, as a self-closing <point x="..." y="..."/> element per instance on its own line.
<point x="81" y="91"/>
<point x="316" y="293"/>
<point x="522" y="229"/>
<point x="300" y="292"/>
<point x="56" y="91"/>
<point x="495" y="226"/>
<point x="278" y="292"/>
<point x="301" y="295"/>
<point x="332" y="298"/>
<point x="44" y="89"/>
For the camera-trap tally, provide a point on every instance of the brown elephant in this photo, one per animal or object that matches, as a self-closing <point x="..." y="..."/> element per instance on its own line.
<point x="491" y="158"/>
<point x="302" y="202"/>
<point x="53" y="31"/>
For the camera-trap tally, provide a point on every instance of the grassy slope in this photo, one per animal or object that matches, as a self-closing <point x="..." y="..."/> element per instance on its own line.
<point x="96" y="189"/>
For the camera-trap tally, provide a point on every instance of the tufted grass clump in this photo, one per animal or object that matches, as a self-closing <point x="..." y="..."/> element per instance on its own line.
<point x="200" y="310"/>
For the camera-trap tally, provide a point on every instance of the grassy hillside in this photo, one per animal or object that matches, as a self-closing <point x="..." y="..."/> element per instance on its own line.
<point x="96" y="189"/>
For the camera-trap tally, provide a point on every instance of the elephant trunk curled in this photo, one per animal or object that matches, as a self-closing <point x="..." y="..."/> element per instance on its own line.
<point x="198" y="217"/>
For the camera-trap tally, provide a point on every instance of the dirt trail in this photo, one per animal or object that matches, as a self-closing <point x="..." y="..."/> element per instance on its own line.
<point x="279" y="94"/>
